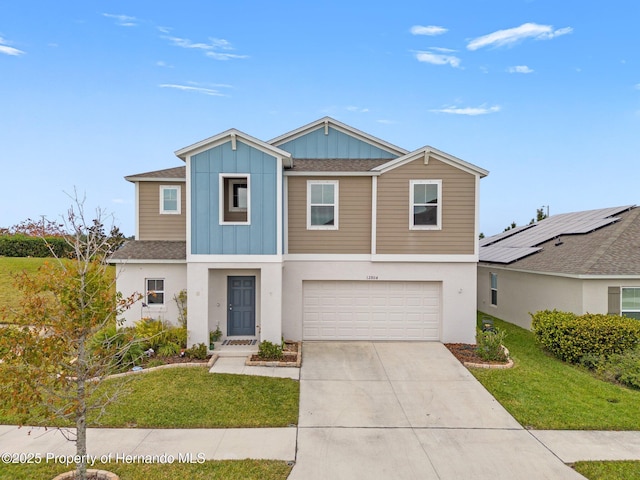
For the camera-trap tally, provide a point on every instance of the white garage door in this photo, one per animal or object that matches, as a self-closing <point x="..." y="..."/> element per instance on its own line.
<point x="352" y="310"/>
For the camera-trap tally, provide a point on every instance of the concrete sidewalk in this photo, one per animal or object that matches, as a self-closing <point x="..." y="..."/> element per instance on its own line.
<point x="207" y="443"/>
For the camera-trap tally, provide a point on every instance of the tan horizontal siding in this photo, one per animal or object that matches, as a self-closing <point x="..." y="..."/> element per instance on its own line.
<point x="354" y="218"/>
<point x="153" y="225"/>
<point x="458" y="215"/>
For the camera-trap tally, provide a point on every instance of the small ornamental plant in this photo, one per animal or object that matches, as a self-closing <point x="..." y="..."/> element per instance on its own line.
<point x="489" y="345"/>
<point x="270" y="351"/>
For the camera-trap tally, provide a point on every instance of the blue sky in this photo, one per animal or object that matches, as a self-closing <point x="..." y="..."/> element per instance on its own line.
<point x="543" y="94"/>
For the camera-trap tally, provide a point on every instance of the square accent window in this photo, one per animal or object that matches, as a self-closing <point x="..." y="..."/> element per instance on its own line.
<point x="322" y="205"/>
<point x="494" y="289"/>
<point x="235" y="199"/>
<point x="630" y="302"/>
<point x="155" y="291"/>
<point x="170" y="199"/>
<point x="425" y="205"/>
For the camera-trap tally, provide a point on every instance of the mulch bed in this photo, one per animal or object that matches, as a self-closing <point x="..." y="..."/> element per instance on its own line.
<point x="466" y="352"/>
<point x="289" y="354"/>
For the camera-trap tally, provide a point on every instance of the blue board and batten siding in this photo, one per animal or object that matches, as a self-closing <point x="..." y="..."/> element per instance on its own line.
<point x="335" y="144"/>
<point x="207" y="235"/>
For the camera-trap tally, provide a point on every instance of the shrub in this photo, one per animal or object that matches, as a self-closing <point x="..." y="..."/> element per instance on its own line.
<point x="120" y="344"/>
<point x="20" y="245"/>
<point x="168" y="349"/>
<point x="270" y="351"/>
<point x="623" y="368"/>
<point x="571" y="337"/>
<point x="177" y="335"/>
<point x="489" y="345"/>
<point x="198" y="351"/>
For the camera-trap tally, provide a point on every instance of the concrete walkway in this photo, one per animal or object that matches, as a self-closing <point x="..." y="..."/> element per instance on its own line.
<point x="368" y="410"/>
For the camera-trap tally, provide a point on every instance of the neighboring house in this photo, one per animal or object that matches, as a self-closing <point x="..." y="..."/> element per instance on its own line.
<point x="325" y="232"/>
<point x="583" y="262"/>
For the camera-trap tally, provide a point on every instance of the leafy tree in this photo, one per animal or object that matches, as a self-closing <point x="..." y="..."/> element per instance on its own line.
<point x="510" y="227"/>
<point x="37" y="228"/>
<point x="51" y="366"/>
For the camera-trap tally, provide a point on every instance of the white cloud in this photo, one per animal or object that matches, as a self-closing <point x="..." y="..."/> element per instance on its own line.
<point x="353" y="108"/>
<point x="386" y="122"/>
<point x="637" y="86"/>
<point x="442" y="49"/>
<point x="163" y="64"/>
<point x="438" y="59"/>
<point x="122" y="20"/>
<point x="7" y="50"/>
<point x="430" y="30"/>
<point x="520" y="69"/>
<point x="118" y="200"/>
<point x="511" y="36"/>
<point x="188" y="88"/>
<point x="211" y="49"/>
<point x="471" y="111"/>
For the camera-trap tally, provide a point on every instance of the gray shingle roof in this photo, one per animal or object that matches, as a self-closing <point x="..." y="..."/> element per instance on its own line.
<point x="336" y="165"/>
<point x="607" y="249"/>
<point x="151" y="250"/>
<point x="175" y="172"/>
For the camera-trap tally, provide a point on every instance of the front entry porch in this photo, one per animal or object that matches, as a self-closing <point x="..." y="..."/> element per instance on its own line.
<point x="243" y="301"/>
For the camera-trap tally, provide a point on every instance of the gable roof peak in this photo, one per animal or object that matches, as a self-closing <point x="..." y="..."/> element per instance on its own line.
<point x="327" y="122"/>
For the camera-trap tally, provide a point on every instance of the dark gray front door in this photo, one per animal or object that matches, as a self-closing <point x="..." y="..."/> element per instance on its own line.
<point x="241" y="304"/>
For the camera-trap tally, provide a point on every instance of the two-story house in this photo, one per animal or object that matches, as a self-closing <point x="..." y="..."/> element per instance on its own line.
<point x="323" y="233"/>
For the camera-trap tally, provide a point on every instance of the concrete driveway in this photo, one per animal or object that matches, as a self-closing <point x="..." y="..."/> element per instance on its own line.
<point x="407" y="411"/>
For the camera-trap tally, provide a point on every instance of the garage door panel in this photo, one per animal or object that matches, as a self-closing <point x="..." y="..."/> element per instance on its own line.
<point x="358" y="310"/>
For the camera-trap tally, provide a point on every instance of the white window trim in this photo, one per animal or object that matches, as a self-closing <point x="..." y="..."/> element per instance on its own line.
<point x="146" y="295"/>
<point x="412" y="184"/>
<point x="335" y="205"/>
<point x="239" y="176"/>
<point x="178" y="203"/>
<point x="623" y="311"/>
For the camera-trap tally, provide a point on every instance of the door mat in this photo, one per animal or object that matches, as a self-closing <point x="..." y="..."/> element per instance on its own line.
<point x="239" y="342"/>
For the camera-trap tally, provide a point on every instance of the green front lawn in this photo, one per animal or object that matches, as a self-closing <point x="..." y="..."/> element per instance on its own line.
<point x="626" y="470"/>
<point x="194" y="398"/>
<point x="10" y="266"/>
<point x="542" y="392"/>
<point x="227" y="469"/>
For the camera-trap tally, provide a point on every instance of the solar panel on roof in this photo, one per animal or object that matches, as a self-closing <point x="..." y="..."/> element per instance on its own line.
<point x="508" y="246"/>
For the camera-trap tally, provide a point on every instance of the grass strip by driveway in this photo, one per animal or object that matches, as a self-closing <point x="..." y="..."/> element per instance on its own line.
<point x="191" y="397"/>
<point x="227" y="469"/>
<point x="542" y="392"/>
<point x="623" y="470"/>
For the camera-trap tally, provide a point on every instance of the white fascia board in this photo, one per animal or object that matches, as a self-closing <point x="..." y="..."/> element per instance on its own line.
<point x="577" y="276"/>
<point x="437" y="154"/>
<point x="289" y="173"/>
<point x="227" y="136"/>
<point x="399" y="258"/>
<point x="341" y="127"/>
<point x="327" y="257"/>
<point x="425" y="258"/>
<point x="188" y="206"/>
<point x="156" y="179"/>
<point x="248" y="259"/>
<point x="135" y="261"/>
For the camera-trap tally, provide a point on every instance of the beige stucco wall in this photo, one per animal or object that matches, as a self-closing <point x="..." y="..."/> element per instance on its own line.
<point x="458" y="198"/>
<point x="354" y="218"/>
<point x="520" y="293"/>
<point x="458" y="282"/>
<point x="207" y="298"/>
<point x="131" y="279"/>
<point x="155" y="226"/>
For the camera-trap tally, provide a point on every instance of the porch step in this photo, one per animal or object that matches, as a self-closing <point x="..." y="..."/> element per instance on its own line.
<point x="235" y="350"/>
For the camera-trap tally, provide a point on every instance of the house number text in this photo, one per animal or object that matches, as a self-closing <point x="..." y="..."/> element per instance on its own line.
<point x="372" y="277"/>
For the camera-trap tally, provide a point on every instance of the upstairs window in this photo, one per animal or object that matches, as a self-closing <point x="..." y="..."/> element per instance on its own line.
<point x="170" y="200"/>
<point x="235" y="199"/>
<point x="630" y="302"/>
<point x="322" y="205"/>
<point x="425" y="204"/>
<point x="155" y="291"/>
